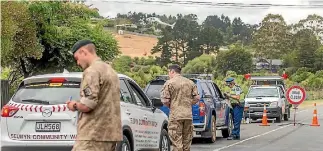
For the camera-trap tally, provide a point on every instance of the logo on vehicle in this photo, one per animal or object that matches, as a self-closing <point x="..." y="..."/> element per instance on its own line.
<point x="259" y="104"/>
<point x="47" y="113"/>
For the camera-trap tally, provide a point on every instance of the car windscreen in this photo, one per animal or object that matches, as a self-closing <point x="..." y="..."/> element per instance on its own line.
<point x="268" y="82"/>
<point x="47" y="93"/>
<point x="154" y="88"/>
<point x="153" y="91"/>
<point x="263" y="92"/>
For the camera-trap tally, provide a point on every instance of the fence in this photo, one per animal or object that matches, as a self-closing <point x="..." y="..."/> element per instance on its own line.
<point x="4" y="92"/>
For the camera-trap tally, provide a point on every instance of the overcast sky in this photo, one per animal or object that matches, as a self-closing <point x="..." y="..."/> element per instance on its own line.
<point x="248" y="15"/>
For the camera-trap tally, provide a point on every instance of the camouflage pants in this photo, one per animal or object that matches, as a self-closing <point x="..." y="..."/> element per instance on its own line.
<point x="94" y="146"/>
<point x="181" y="134"/>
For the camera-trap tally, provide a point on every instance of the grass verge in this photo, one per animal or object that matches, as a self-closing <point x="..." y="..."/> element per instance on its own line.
<point x="310" y="103"/>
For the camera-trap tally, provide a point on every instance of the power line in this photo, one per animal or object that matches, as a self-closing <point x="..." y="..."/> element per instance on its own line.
<point x="216" y="5"/>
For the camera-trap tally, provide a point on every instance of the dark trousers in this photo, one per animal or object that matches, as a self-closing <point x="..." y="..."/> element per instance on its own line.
<point x="237" y="117"/>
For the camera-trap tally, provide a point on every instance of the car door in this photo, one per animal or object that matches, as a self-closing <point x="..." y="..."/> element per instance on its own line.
<point x="128" y="111"/>
<point x="223" y="104"/>
<point x="217" y="104"/>
<point x="282" y="99"/>
<point x="149" y="132"/>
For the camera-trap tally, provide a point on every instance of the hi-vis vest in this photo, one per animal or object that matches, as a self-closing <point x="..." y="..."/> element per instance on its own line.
<point x="236" y="90"/>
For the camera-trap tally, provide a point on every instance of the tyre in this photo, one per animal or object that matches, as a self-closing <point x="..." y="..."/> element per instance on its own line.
<point x="164" y="143"/>
<point x="227" y="132"/>
<point x="279" y="118"/>
<point x="124" y="145"/>
<point x="286" y="115"/>
<point x="213" y="131"/>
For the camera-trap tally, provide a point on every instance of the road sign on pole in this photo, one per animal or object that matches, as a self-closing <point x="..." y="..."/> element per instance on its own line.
<point x="296" y="95"/>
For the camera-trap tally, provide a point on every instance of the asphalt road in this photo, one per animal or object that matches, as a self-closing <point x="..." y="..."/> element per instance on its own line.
<point x="278" y="136"/>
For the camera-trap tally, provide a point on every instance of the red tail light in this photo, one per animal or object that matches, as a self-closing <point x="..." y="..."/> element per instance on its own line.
<point x="202" y="108"/>
<point x="8" y="111"/>
<point x="57" y="80"/>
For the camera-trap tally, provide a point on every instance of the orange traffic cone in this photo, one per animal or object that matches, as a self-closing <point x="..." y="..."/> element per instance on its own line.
<point x="264" y="117"/>
<point x="315" y="121"/>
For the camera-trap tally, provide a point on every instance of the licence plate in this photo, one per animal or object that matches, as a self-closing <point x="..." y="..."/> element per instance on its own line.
<point x="48" y="126"/>
<point x="258" y="113"/>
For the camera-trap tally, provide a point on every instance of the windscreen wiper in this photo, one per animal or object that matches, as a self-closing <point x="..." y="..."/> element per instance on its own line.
<point x="36" y="101"/>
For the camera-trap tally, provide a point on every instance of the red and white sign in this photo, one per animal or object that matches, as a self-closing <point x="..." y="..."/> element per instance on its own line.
<point x="296" y="95"/>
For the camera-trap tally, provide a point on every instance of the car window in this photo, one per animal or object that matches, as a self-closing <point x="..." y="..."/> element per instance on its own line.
<point x="140" y="100"/>
<point x="53" y="94"/>
<point x="125" y="94"/>
<point x="154" y="88"/>
<point x="217" y="90"/>
<point x="263" y="92"/>
<point x="212" y="89"/>
<point x="205" y="88"/>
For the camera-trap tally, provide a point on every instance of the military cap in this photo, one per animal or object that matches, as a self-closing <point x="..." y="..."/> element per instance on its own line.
<point x="79" y="44"/>
<point x="230" y="79"/>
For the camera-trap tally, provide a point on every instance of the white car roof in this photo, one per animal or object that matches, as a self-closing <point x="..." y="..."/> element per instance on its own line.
<point x="266" y="87"/>
<point x="67" y="75"/>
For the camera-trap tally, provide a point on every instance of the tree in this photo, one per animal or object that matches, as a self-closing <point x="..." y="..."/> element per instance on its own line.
<point x="122" y="64"/>
<point x="313" y="22"/>
<point x="202" y="64"/>
<point x="318" y="64"/>
<point x="18" y="37"/>
<point x="165" y="46"/>
<point x="306" y="43"/>
<point x="59" y="26"/>
<point x="271" y="41"/>
<point x="235" y="59"/>
<point x="185" y="30"/>
<point x="210" y="39"/>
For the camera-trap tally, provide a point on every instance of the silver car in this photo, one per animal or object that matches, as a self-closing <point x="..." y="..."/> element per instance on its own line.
<point x="36" y="118"/>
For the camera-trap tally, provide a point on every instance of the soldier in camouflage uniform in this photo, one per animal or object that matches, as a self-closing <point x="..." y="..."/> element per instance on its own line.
<point x="237" y="104"/>
<point x="179" y="94"/>
<point x="99" y="119"/>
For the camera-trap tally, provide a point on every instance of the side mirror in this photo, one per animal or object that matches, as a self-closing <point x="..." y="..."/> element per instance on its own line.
<point x="153" y="109"/>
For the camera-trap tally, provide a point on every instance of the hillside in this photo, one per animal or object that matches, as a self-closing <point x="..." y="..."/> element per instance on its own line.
<point x="135" y="45"/>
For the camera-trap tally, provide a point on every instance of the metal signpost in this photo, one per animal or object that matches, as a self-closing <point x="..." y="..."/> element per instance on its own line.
<point x="295" y="96"/>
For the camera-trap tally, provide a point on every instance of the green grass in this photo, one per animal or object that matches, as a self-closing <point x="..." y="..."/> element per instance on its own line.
<point x="310" y="103"/>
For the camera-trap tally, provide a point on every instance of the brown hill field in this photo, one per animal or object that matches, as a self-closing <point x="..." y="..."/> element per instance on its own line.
<point x="135" y="45"/>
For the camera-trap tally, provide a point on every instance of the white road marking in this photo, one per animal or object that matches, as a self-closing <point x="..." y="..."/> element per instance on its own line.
<point x="224" y="147"/>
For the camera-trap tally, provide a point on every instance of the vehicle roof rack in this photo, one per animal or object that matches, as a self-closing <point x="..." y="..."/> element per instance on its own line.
<point x="162" y="77"/>
<point x="266" y="78"/>
<point x="189" y="76"/>
<point x="199" y="76"/>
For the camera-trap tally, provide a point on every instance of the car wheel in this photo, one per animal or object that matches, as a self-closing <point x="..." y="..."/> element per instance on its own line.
<point x="227" y="132"/>
<point x="124" y="145"/>
<point x="286" y="115"/>
<point x="213" y="130"/>
<point x="279" y="118"/>
<point x="164" y="143"/>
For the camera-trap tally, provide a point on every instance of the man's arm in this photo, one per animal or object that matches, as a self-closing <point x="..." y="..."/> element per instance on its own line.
<point x="165" y="95"/>
<point x="238" y="92"/>
<point x="195" y="94"/>
<point x="91" y="89"/>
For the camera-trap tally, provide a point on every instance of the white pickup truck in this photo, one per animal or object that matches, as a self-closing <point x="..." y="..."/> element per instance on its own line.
<point x="269" y="91"/>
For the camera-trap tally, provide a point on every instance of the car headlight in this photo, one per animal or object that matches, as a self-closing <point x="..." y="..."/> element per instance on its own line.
<point x="273" y="104"/>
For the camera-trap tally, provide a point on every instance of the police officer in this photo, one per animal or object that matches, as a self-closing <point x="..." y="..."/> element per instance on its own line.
<point x="237" y="106"/>
<point x="99" y="119"/>
<point x="179" y="94"/>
